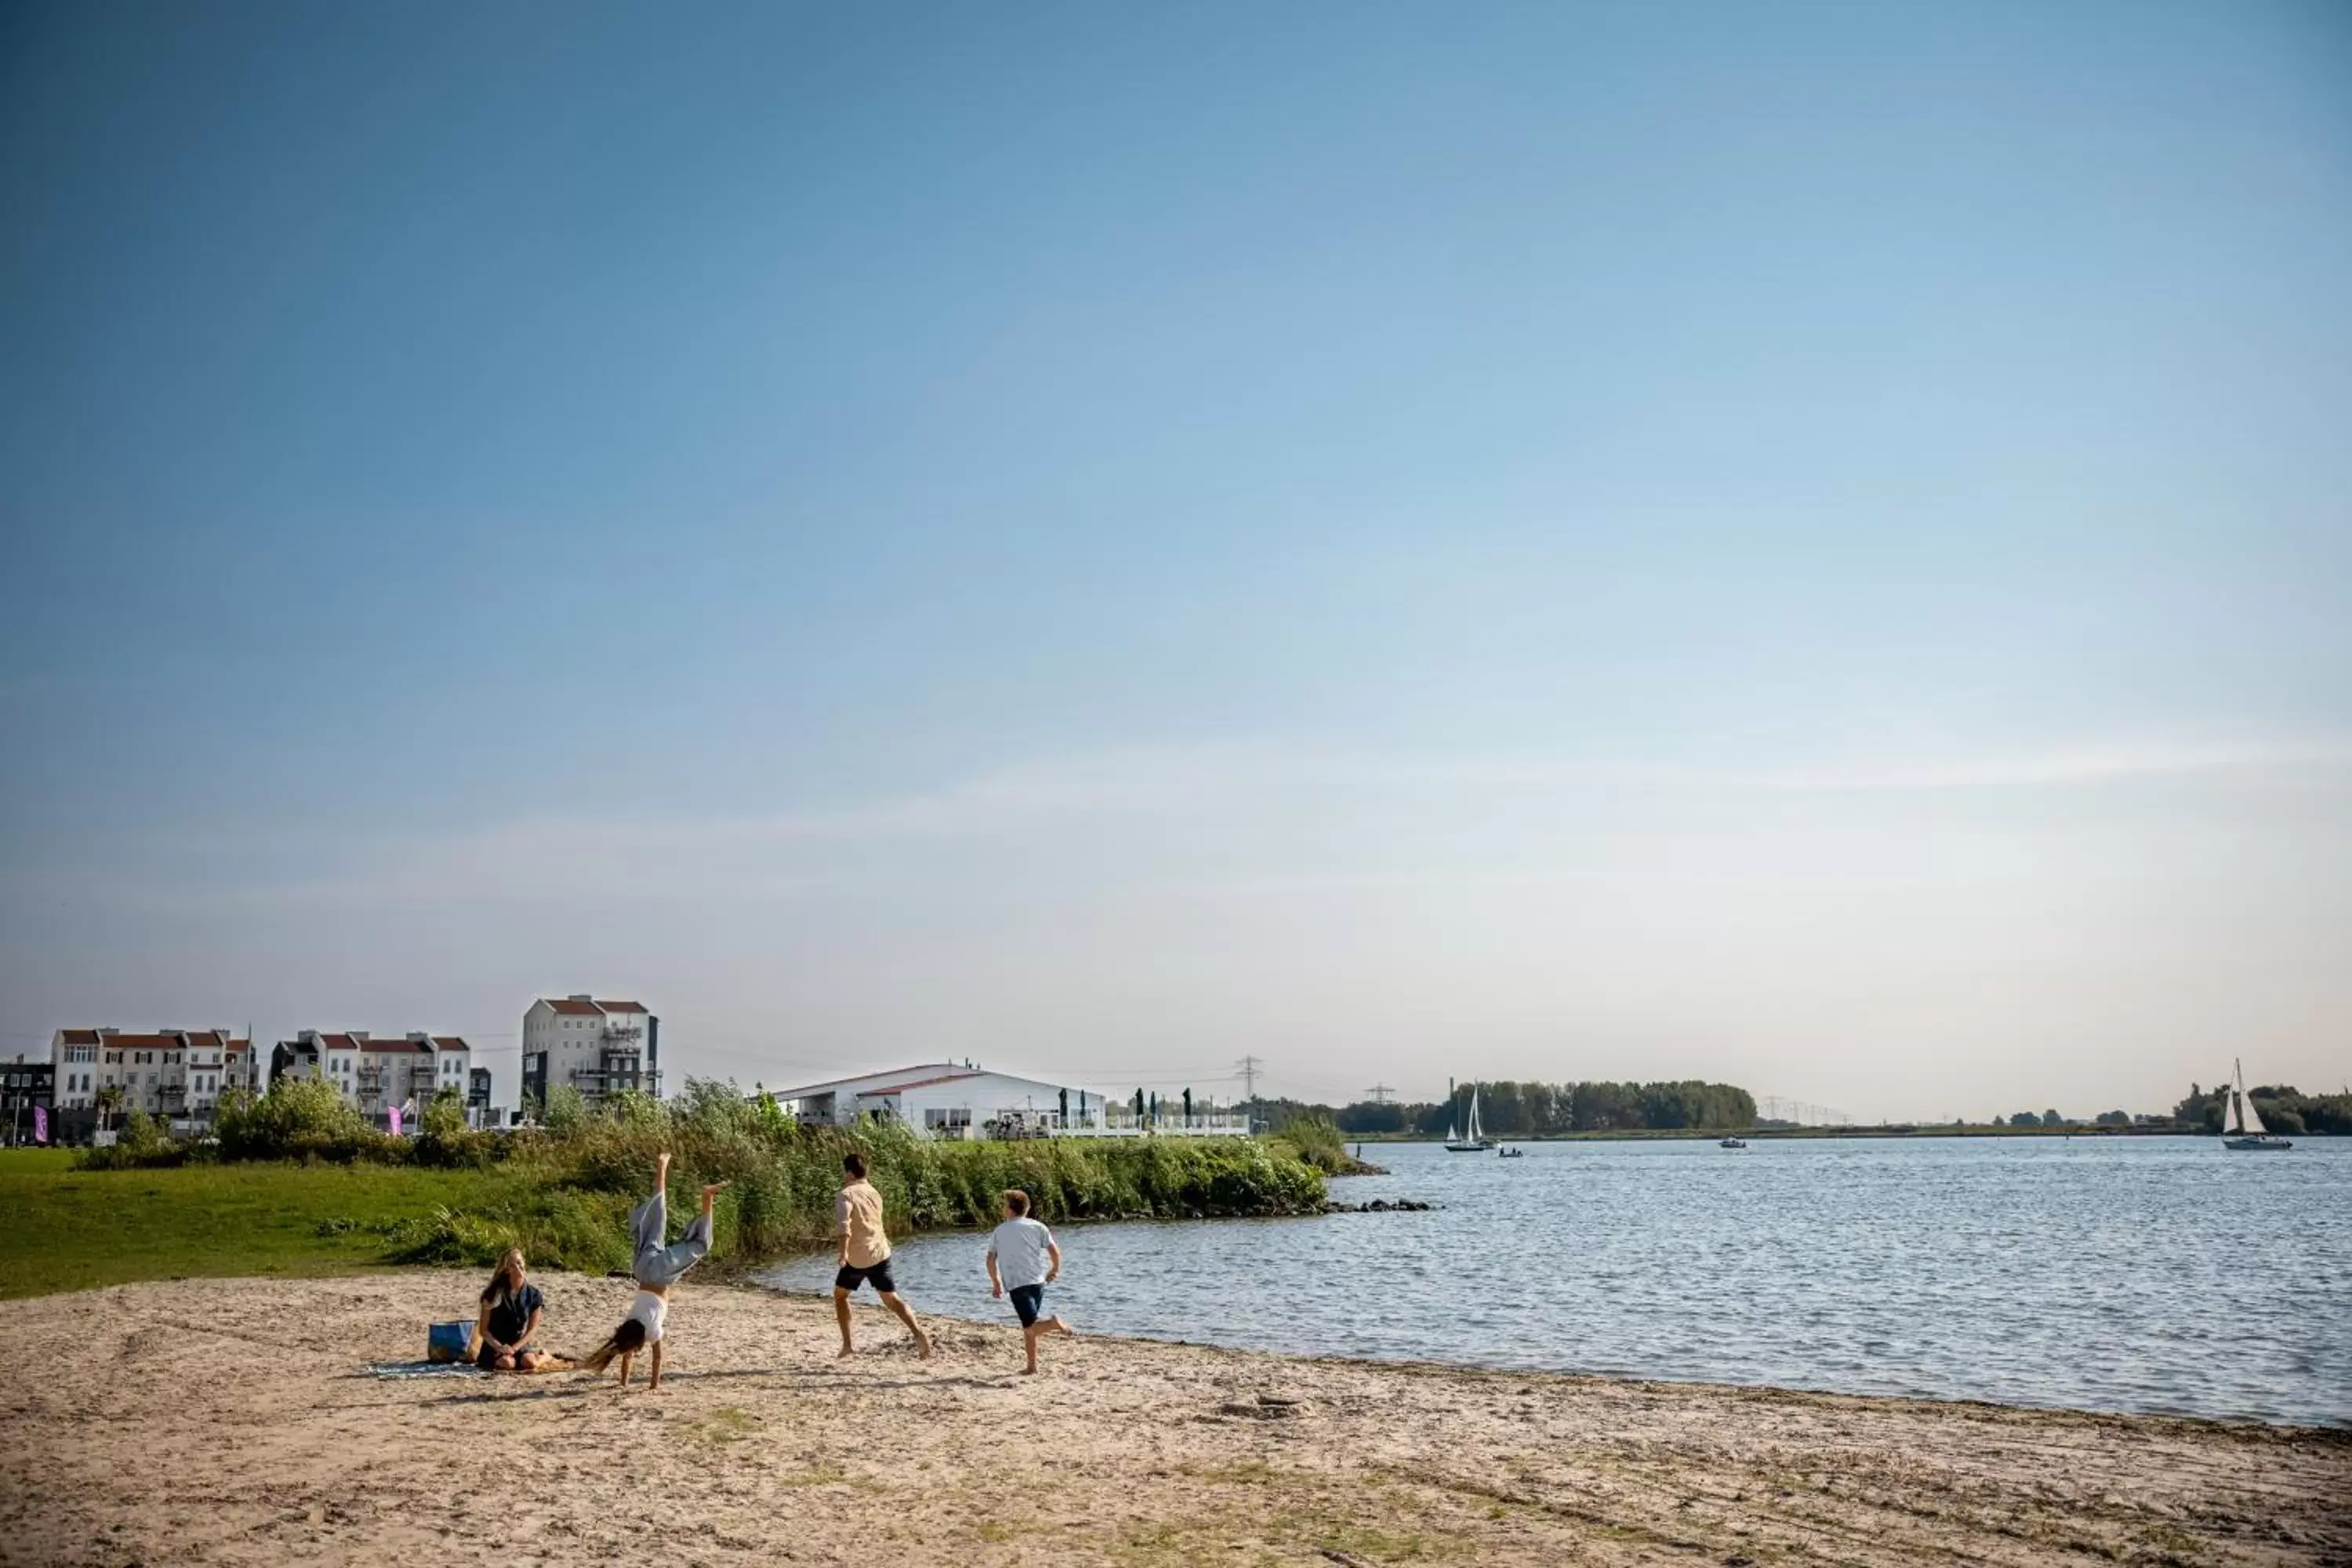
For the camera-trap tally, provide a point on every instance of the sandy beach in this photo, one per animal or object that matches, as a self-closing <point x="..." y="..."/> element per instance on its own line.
<point x="230" y="1422"/>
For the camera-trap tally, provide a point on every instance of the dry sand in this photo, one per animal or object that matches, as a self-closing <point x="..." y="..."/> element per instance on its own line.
<point x="228" y="1422"/>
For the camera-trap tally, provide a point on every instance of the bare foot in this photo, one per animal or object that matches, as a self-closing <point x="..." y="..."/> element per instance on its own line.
<point x="710" y="1187"/>
<point x="1028" y="1372"/>
<point x="843" y="1353"/>
<point x="922" y="1345"/>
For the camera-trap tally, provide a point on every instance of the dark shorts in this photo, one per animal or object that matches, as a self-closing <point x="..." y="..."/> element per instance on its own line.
<point x="489" y="1358"/>
<point x="878" y="1277"/>
<point x="1028" y="1301"/>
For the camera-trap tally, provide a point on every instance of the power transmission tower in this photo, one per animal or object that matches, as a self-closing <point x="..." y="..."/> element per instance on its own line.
<point x="1379" y="1093"/>
<point x="1250" y="1066"/>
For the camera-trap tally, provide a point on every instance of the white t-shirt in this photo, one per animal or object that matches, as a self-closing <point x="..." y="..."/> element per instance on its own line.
<point x="652" y="1310"/>
<point x="1019" y="1247"/>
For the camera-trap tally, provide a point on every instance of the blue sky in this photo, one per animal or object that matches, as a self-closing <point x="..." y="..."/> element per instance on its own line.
<point x="1808" y="545"/>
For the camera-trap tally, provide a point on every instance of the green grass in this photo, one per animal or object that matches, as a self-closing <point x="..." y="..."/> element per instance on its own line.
<point x="62" y="1229"/>
<point x="565" y="1198"/>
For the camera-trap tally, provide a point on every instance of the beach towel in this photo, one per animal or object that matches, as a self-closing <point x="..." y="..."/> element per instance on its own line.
<point x="391" y="1370"/>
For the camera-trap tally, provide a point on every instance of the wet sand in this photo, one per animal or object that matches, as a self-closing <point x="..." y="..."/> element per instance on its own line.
<point x="229" y="1422"/>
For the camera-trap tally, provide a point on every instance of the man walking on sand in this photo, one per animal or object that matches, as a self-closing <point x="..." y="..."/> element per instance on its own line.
<point x="1023" y="1257"/>
<point x="865" y="1254"/>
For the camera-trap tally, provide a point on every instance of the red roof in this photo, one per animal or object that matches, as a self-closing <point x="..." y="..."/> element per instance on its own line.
<point x="392" y="1045"/>
<point x="147" y="1042"/>
<point x="565" y="1004"/>
<point x="338" y="1042"/>
<point x="451" y="1043"/>
<point x="81" y="1036"/>
<point x="622" y="1007"/>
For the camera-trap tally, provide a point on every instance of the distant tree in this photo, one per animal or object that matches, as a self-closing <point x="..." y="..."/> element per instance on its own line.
<point x="2114" y="1119"/>
<point x="1367" y="1115"/>
<point x="2052" y="1118"/>
<point x="2025" y="1118"/>
<point x="110" y="1101"/>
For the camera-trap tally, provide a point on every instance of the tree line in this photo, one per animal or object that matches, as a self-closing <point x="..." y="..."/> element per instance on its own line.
<point x="2282" y="1107"/>
<point x="1509" y="1109"/>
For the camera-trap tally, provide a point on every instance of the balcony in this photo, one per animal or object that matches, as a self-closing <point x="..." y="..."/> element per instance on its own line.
<point x="616" y="1071"/>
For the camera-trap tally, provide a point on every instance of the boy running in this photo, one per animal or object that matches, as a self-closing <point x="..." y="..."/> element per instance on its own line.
<point x="865" y="1254"/>
<point x="1023" y="1257"/>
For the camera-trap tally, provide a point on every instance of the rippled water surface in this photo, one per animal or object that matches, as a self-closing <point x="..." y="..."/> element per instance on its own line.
<point x="2141" y="1274"/>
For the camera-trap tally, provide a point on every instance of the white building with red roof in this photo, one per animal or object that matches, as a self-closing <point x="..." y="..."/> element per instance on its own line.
<point x="178" y="1074"/>
<point x="597" y="1047"/>
<point x="958" y="1099"/>
<point x="378" y="1072"/>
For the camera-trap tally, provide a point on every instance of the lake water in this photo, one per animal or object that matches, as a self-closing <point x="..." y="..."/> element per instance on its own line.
<point x="2130" y="1274"/>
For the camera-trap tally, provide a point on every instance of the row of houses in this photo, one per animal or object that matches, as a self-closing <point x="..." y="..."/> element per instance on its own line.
<point x="599" y="1048"/>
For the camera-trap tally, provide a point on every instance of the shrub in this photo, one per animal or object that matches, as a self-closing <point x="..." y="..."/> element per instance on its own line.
<point x="565" y="1109"/>
<point x="299" y="1118"/>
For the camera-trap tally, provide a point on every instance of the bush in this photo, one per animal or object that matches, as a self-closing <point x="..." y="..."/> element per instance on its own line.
<point x="142" y="1143"/>
<point x="299" y="1118"/>
<point x="565" y="1109"/>
<point x="1317" y="1140"/>
<point x="444" y="1139"/>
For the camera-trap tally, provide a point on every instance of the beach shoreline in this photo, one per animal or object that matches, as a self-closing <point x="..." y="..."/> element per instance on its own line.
<point x="231" y="1422"/>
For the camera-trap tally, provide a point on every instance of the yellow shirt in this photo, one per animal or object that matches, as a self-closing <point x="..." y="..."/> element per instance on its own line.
<point x="860" y="1215"/>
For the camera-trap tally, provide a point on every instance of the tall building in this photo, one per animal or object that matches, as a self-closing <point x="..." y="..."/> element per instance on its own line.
<point x="375" y="1072"/>
<point x="597" y="1047"/>
<point x="175" y="1073"/>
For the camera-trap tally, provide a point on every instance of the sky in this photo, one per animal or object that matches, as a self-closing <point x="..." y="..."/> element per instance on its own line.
<point x="1807" y="545"/>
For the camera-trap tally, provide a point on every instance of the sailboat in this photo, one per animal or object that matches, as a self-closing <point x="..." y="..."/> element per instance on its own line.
<point x="2242" y="1125"/>
<point x="1471" y="1142"/>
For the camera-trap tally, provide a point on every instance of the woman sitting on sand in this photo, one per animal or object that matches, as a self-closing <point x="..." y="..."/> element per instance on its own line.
<point x="509" y="1321"/>
<point x="657" y="1268"/>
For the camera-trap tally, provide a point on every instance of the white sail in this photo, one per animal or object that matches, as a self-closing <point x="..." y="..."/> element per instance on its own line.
<point x="2250" y="1121"/>
<point x="1473" y="1136"/>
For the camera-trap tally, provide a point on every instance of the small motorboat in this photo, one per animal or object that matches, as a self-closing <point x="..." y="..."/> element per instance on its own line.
<point x="1510" y="1153"/>
<point x="1733" y="1143"/>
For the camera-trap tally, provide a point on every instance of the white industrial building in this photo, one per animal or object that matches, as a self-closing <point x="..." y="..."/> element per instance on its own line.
<point x="177" y="1074"/>
<point x="598" y="1048"/>
<point x="952" y="1100"/>
<point x="378" y="1072"/>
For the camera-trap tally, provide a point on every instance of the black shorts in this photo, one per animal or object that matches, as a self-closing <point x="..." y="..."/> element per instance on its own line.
<point x="850" y="1278"/>
<point x="488" y="1360"/>
<point x="1028" y="1301"/>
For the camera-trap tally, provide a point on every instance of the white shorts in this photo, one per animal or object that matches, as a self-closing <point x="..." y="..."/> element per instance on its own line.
<point x="651" y="1310"/>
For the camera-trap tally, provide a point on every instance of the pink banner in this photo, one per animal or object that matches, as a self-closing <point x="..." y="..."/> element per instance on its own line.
<point x="40" y="1124"/>
<point x="395" y="1122"/>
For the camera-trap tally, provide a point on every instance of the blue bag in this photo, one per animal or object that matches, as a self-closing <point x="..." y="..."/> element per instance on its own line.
<point x="447" y="1342"/>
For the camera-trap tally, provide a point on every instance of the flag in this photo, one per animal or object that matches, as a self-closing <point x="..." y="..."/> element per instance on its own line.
<point x="395" y="1120"/>
<point x="40" y="1124"/>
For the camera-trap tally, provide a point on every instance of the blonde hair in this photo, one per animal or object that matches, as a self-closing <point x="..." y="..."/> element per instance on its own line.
<point x="505" y="1278"/>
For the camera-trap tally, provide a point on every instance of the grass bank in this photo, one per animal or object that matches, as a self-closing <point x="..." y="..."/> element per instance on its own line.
<point x="564" y="1197"/>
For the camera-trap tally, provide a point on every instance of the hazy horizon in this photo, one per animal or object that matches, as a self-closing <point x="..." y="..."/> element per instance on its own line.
<point x="1806" y="546"/>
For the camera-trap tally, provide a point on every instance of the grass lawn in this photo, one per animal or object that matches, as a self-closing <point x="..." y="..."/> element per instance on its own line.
<point x="62" y="1229"/>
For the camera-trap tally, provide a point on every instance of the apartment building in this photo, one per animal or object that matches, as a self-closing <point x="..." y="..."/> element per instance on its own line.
<point x="597" y="1047"/>
<point x="378" y="1072"/>
<point x="179" y="1074"/>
